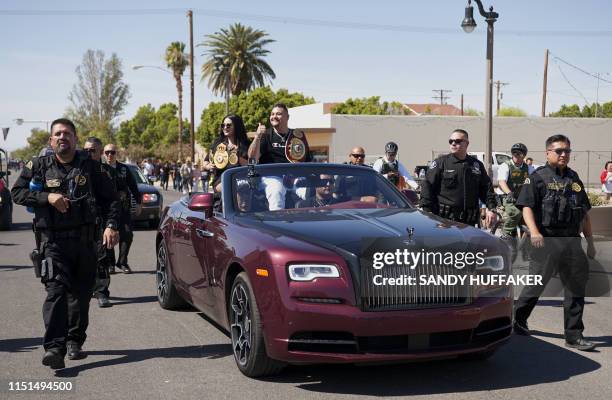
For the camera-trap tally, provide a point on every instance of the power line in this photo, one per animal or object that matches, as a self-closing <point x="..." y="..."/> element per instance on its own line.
<point x="441" y="97"/>
<point x="570" y="83"/>
<point x="581" y="70"/>
<point x="297" y="21"/>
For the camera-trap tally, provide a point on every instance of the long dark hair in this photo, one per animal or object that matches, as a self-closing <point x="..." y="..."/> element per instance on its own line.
<point x="240" y="135"/>
<point x="607" y="163"/>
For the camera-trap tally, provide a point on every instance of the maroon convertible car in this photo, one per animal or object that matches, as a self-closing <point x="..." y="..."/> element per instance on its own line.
<point x="305" y="284"/>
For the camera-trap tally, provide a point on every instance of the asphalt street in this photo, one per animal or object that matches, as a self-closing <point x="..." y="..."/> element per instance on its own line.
<point x="136" y="350"/>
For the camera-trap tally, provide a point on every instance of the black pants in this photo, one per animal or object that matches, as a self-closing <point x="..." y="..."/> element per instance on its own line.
<point x="126" y="236"/>
<point x="102" y="267"/>
<point x="565" y="256"/>
<point x="69" y="289"/>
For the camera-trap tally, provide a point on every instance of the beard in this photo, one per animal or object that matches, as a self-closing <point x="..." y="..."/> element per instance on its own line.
<point x="63" y="149"/>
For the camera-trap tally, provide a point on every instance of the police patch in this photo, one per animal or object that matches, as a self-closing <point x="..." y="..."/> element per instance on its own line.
<point x="29" y="165"/>
<point x="576" y="187"/>
<point x="81" y="180"/>
<point x="434" y="164"/>
<point x="476" y="168"/>
<point x="53" y="183"/>
<point x="527" y="181"/>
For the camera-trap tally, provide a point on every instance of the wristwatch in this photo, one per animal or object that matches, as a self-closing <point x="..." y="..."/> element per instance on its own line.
<point x="112" y="225"/>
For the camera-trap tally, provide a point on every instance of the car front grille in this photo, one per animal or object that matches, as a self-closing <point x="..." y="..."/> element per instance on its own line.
<point x="400" y="297"/>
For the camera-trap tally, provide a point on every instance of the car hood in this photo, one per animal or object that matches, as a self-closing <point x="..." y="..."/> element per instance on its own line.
<point x="352" y="230"/>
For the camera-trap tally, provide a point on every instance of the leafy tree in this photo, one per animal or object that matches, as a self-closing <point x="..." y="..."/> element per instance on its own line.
<point x="152" y="133"/>
<point x="99" y="96"/>
<point x="254" y="107"/>
<point x="574" y="111"/>
<point x="511" y="112"/>
<point x="236" y="54"/>
<point x="369" y="106"/>
<point x="176" y="60"/>
<point x="38" y="139"/>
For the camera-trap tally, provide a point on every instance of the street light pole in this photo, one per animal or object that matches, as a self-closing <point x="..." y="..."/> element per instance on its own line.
<point x="21" y="121"/>
<point x="468" y="26"/>
<point x="191" y="105"/>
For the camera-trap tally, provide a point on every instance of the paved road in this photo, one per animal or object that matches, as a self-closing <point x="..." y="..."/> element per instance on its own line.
<point x="139" y="351"/>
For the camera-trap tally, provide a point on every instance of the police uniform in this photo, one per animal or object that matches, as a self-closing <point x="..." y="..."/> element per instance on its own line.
<point x="126" y="187"/>
<point x="67" y="239"/>
<point x="559" y="204"/>
<point x="224" y="159"/>
<point x="105" y="257"/>
<point x="516" y="177"/>
<point x="453" y="188"/>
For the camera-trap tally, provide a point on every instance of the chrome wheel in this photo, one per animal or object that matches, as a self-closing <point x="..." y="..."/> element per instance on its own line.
<point x="242" y="335"/>
<point x="161" y="273"/>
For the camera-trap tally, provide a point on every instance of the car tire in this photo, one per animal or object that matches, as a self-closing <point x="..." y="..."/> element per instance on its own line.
<point x="167" y="296"/>
<point x="154" y="223"/>
<point x="246" y="331"/>
<point x="6" y="220"/>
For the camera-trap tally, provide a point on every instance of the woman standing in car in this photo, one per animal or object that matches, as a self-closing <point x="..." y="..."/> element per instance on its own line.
<point x="228" y="150"/>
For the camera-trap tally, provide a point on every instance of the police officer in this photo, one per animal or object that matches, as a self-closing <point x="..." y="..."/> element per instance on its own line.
<point x="278" y="144"/>
<point x="456" y="182"/>
<point x="126" y="187"/>
<point x="511" y="176"/>
<point x="357" y="156"/>
<point x="392" y="169"/>
<point x="555" y="208"/>
<point x="93" y="146"/>
<point x="72" y="186"/>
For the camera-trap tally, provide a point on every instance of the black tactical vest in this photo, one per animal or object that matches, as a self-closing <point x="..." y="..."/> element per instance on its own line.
<point x="76" y="186"/>
<point x="391" y="167"/>
<point x="562" y="213"/>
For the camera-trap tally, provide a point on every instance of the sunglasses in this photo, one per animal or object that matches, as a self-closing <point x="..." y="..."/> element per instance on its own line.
<point x="110" y="152"/>
<point x="561" y="151"/>
<point x="455" y="141"/>
<point x="358" y="155"/>
<point x="90" y="150"/>
<point x="226" y="125"/>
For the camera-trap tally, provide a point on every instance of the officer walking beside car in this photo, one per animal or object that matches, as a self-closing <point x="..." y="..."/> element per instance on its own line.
<point x="555" y="208"/>
<point x="456" y="182"/>
<point x="72" y="185"/>
<point x="94" y="146"/>
<point x="126" y="187"/>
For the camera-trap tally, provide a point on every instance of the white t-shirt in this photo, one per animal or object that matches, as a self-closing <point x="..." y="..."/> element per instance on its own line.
<point x="607" y="187"/>
<point x="378" y="165"/>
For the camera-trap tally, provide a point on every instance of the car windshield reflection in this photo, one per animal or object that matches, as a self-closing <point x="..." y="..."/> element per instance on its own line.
<point x="312" y="188"/>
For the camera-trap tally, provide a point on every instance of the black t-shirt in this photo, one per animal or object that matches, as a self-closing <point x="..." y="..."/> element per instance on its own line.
<point x="272" y="148"/>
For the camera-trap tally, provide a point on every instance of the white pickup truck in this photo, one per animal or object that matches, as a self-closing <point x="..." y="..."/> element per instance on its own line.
<point x="498" y="159"/>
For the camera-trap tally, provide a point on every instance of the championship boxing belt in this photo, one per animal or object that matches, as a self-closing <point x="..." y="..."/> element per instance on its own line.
<point x="221" y="157"/>
<point x="296" y="147"/>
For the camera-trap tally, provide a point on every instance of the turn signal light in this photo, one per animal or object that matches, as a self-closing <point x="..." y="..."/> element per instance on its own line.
<point x="262" y="272"/>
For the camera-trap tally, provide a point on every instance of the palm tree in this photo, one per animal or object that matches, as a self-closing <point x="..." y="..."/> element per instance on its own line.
<point x="235" y="59"/>
<point x="177" y="61"/>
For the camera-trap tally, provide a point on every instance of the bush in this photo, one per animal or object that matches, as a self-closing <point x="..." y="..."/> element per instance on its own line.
<point x="595" y="199"/>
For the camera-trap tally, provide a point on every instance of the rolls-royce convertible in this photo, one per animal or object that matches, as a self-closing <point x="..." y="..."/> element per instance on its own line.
<point x="306" y="263"/>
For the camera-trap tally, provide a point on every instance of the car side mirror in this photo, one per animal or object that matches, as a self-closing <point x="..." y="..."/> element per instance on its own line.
<point x="202" y="202"/>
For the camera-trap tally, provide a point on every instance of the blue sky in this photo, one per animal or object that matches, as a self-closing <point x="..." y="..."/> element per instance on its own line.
<point x="399" y="50"/>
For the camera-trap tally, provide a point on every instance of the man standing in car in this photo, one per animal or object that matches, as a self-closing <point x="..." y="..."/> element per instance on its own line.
<point x="278" y="144"/>
<point x="126" y="186"/>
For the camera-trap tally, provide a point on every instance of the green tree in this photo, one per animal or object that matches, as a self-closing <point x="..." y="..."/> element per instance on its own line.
<point x="369" y="106"/>
<point x="99" y="96"/>
<point x="236" y="54"/>
<point x="176" y="60"/>
<point x="254" y="107"/>
<point x="152" y="133"/>
<point x="38" y="139"/>
<point x="588" y="111"/>
<point x="472" y="112"/>
<point x="511" y="112"/>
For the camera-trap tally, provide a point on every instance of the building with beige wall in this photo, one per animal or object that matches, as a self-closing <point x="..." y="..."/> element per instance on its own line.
<point x="421" y="137"/>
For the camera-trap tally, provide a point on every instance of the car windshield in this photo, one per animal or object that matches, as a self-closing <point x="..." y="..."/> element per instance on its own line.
<point x="311" y="187"/>
<point x="137" y="174"/>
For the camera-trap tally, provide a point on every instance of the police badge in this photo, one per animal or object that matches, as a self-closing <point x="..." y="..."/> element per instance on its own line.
<point x="221" y="158"/>
<point x="296" y="147"/>
<point x="576" y="187"/>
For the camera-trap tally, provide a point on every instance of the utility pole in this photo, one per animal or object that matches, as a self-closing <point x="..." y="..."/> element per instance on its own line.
<point x="441" y="97"/>
<point x="545" y="83"/>
<point x="192" y="111"/>
<point x="498" y="86"/>
<point x="462" y="104"/>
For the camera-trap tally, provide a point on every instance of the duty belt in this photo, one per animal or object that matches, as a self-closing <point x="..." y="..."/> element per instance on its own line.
<point x="85" y="233"/>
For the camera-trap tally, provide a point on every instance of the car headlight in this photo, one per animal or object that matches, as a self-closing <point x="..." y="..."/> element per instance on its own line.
<point x="149" y="198"/>
<point x="493" y="263"/>
<point x="308" y="272"/>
